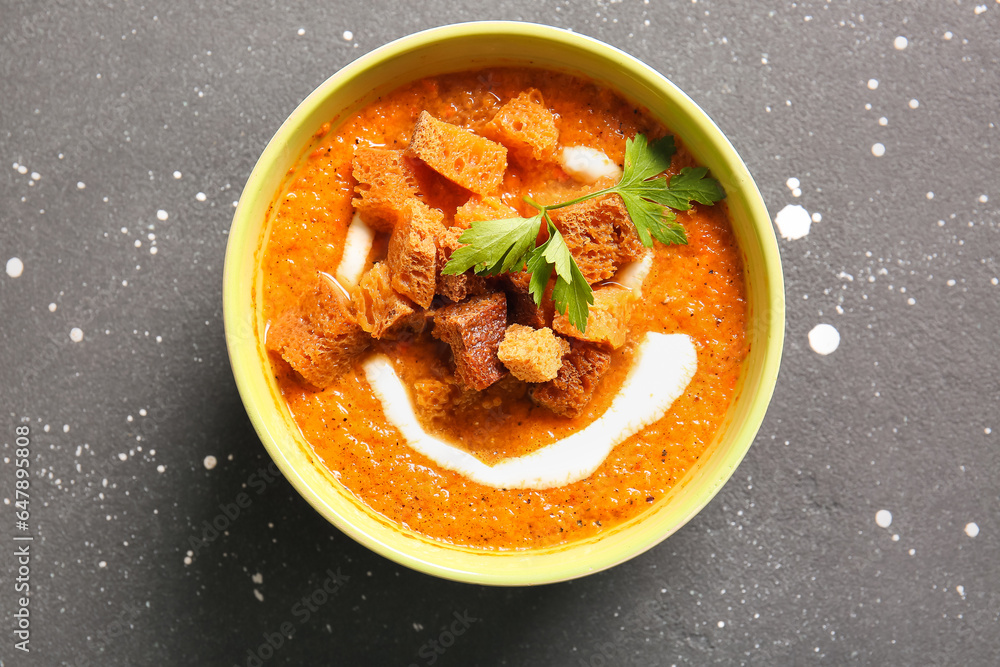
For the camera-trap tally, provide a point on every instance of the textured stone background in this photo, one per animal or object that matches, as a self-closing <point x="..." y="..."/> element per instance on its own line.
<point x="101" y="103"/>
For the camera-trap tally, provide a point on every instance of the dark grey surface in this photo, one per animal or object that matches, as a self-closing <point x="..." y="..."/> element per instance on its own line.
<point x="786" y="566"/>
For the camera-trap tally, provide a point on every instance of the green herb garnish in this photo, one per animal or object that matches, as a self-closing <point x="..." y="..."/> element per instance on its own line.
<point x="508" y="245"/>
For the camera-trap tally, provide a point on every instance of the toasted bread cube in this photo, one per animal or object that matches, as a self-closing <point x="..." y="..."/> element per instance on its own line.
<point x="473" y="162"/>
<point x="474" y="329"/>
<point x="525" y="126"/>
<point x="482" y="208"/>
<point x="386" y="181"/>
<point x="319" y="338"/>
<point x="571" y="390"/>
<point x="412" y="255"/>
<point x="434" y="397"/>
<point x="378" y="308"/>
<point x="455" y="287"/>
<point x="608" y="321"/>
<point x="523" y="309"/>
<point x="600" y="236"/>
<point x="532" y="355"/>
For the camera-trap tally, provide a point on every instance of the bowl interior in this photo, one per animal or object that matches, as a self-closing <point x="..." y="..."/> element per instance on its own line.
<point x="472" y="46"/>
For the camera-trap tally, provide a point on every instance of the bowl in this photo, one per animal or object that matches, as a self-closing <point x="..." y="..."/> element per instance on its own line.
<point x="470" y="46"/>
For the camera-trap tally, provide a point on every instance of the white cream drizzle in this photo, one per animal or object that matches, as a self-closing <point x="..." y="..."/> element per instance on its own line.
<point x="587" y="164"/>
<point x="664" y="365"/>
<point x="357" y="245"/>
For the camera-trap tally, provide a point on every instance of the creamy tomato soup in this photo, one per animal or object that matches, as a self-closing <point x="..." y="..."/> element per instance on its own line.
<point x="696" y="290"/>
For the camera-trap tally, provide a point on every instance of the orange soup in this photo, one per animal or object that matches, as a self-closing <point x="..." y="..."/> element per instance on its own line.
<point x="695" y="289"/>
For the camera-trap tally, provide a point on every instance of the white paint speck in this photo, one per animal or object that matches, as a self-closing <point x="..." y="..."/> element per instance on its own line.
<point x="348" y="35"/>
<point x="161" y="468"/>
<point x="418" y="626"/>
<point x="930" y="195"/>
<point x="872" y="84"/>
<point x="900" y="43"/>
<point x="817" y="217"/>
<point x="301" y="31"/>
<point x="52" y="307"/>
<point x="15" y="267"/>
<point x="972" y="529"/>
<point x="80" y="185"/>
<point x="123" y="456"/>
<point x="210" y="462"/>
<point x="152" y="250"/>
<point x="983" y="199"/>
<point x="200" y="196"/>
<point x="721" y="624"/>
<point x="102" y="564"/>
<point x="913" y="104"/>
<point x="76" y="334"/>
<point x="911" y="301"/>
<point x="960" y="589"/>
<point x="979" y="9"/>
<point x="824" y="339"/>
<point x="138" y="243"/>
<point x="65" y="428"/>
<point x="793" y="222"/>
<point x="792" y="183"/>
<point x="883" y="518"/>
<point x="35" y="176"/>
<point x="187" y="559"/>
<point x="177" y="174"/>
<point x="162" y="215"/>
<point x="987" y="430"/>
<point x="257" y="594"/>
<point x="878" y="150"/>
<point x="257" y="578"/>
<point x="883" y="121"/>
<point x="948" y="35"/>
<point x="913" y="552"/>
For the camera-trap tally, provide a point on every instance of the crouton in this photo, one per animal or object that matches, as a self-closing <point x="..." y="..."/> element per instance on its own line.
<point x="474" y="329"/>
<point x="434" y="397"/>
<point x="378" y="308"/>
<point x="473" y="162"/>
<point x="454" y="287"/>
<point x="319" y="339"/>
<point x="522" y="306"/>
<point x="412" y="255"/>
<point x="525" y="126"/>
<point x="482" y="208"/>
<point x="387" y="179"/>
<point x="600" y="236"/>
<point x="532" y="355"/>
<point x="609" y="317"/>
<point x="571" y="390"/>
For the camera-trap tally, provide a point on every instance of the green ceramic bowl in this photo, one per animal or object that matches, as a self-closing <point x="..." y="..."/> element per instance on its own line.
<point x="463" y="47"/>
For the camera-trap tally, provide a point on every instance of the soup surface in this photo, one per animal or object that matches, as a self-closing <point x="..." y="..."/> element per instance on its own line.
<point x="695" y="289"/>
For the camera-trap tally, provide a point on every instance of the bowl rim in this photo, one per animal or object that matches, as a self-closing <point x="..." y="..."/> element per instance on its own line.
<point x="248" y="382"/>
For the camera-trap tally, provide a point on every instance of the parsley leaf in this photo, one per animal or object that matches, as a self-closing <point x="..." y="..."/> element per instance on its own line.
<point x="494" y="246"/>
<point x="508" y="245"/>
<point x="692" y="184"/>
<point x="644" y="160"/>
<point x="648" y="197"/>
<point x="573" y="297"/>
